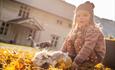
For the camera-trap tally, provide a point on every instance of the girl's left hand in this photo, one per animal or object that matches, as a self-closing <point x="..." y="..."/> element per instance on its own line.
<point x="74" y="66"/>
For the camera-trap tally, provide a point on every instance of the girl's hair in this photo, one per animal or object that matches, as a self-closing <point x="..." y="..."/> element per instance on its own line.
<point x="92" y="21"/>
<point x="74" y="19"/>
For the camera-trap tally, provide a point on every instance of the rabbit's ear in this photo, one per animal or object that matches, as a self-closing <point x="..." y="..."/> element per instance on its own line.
<point x="65" y="53"/>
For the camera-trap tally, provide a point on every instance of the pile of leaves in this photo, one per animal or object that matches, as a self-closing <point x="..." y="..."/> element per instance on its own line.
<point x="11" y="59"/>
<point x="100" y="66"/>
<point x="15" y="59"/>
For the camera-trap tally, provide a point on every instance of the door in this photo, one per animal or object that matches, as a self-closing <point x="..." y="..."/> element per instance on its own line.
<point x="21" y="35"/>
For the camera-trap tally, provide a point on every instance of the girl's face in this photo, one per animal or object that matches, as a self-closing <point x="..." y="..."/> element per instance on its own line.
<point x="83" y="17"/>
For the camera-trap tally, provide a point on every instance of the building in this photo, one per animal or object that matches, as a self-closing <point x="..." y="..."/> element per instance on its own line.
<point x="44" y="20"/>
<point x="108" y="26"/>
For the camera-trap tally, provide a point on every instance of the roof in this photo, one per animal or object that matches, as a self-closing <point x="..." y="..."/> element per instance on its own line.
<point x="28" y="22"/>
<point x="57" y="7"/>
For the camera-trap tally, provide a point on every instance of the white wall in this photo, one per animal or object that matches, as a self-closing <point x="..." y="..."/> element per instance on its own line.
<point x="49" y="23"/>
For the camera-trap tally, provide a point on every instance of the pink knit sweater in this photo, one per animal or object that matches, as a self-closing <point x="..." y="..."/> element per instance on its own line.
<point x="85" y="44"/>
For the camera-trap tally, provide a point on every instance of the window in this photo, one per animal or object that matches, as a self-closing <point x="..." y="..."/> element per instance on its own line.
<point x="54" y="40"/>
<point x="4" y="28"/>
<point x="24" y="11"/>
<point x="59" y="22"/>
<point x="69" y="25"/>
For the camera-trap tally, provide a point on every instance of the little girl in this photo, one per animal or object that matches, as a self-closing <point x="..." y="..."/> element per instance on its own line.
<point x="85" y="43"/>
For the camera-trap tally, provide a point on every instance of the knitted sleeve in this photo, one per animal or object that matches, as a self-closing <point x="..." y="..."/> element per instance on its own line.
<point x="68" y="45"/>
<point x="101" y="47"/>
<point x="65" y="44"/>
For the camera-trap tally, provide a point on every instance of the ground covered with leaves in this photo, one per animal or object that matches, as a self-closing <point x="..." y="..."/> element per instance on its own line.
<point x="18" y="59"/>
